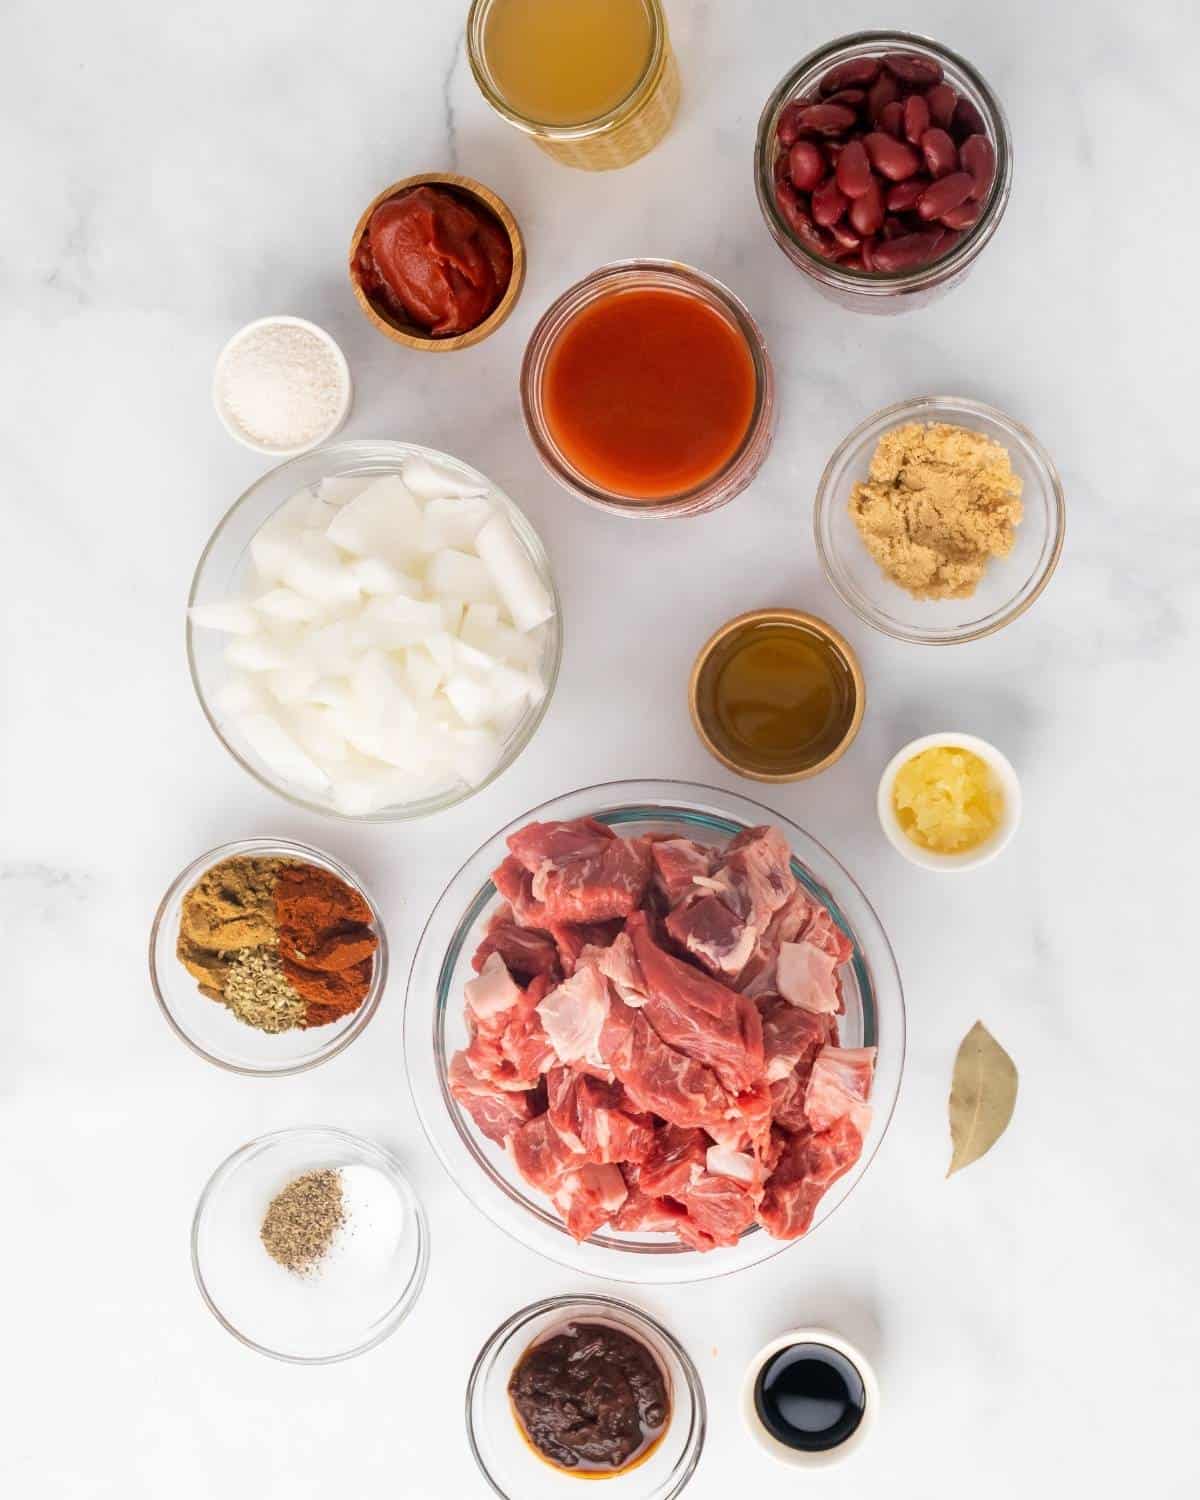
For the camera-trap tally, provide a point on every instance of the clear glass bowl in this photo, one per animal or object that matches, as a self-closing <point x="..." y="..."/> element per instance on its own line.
<point x="212" y="1030"/>
<point x="344" y="1308"/>
<point x="873" y="291"/>
<point x="627" y="275"/>
<point x="509" y="1464"/>
<point x="221" y="570"/>
<point x="434" y="1027"/>
<point x="1009" y="585"/>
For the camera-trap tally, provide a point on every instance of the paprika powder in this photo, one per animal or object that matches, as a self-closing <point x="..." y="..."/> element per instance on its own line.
<point x="326" y="946"/>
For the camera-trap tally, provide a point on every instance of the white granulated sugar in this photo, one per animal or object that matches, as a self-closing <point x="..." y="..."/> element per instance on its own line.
<point x="282" y="385"/>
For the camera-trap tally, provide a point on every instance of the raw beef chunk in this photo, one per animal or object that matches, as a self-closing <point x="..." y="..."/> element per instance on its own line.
<point x="653" y="1034"/>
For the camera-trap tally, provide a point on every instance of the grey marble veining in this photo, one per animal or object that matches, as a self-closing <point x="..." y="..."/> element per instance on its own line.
<point x="171" y="172"/>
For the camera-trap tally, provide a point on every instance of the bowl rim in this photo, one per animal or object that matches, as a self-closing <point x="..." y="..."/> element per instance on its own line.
<point x="387" y="1162"/>
<point x="969" y="859"/>
<point x="791" y="617"/>
<point x="796" y="1457"/>
<point x="672" y="1265"/>
<point x="292" y="849"/>
<point x="446" y="343"/>
<point x="286" y="320"/>
<point x="389" y="449"/>
<point x="923" y="408"/>
<point x="619" y="1311"/>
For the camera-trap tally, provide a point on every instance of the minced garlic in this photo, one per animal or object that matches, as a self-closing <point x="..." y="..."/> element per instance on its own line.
<point x="947" y="800"/>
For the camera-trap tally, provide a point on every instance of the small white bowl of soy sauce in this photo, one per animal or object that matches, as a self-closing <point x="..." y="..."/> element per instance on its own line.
<point x="809" y="1398"/>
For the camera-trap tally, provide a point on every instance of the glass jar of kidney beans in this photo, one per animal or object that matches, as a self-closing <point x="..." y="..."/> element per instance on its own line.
<point x="883" y="167"/>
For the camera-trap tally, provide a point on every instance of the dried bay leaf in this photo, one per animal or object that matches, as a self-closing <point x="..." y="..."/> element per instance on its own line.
<point x="983" y="1092"/>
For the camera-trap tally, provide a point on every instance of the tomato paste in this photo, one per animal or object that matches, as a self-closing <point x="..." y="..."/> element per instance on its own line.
<point x="434" y="259"/>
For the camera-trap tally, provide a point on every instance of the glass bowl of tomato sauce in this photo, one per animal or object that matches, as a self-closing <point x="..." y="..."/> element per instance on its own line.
<point x="648" y="391"/>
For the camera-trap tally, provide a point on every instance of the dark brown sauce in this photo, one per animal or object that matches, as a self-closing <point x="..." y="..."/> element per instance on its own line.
<point x="810" y="1397"/>
<point x="590" y="1399"/>
<point x="776" y="696"/>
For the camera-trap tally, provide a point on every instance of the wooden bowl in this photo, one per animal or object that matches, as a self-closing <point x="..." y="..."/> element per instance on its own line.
<point x="408" y="333"/>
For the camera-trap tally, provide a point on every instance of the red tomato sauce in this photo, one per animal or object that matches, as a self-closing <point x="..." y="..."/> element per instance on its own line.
<point x="433" y="259"/>
<point x="648" y="393"/>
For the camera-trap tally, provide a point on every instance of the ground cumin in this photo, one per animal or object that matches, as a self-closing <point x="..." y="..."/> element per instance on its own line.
<point x="230" y="908"/>
<point x="939" y="502"/>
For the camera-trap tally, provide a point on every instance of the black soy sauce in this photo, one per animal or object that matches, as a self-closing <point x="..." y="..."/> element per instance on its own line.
<point x="810" y="1397"/>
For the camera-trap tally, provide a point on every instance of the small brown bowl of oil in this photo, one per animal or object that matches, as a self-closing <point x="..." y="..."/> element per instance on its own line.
<point x="777" y="695"/>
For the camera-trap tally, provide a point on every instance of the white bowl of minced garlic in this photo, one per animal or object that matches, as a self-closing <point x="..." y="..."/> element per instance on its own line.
<point x="949" y="801"/>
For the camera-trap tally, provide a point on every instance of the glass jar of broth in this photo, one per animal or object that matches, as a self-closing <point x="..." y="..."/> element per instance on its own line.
<point x="593" y="83"/>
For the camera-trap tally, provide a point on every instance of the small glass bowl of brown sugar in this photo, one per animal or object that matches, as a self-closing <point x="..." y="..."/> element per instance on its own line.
<point x="267" y="957"/>
<point x="939" y="588"/>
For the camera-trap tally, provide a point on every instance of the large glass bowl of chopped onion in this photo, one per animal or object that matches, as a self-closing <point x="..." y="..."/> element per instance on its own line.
<point x="373" y="631"/>
<point x="459" y="933"/>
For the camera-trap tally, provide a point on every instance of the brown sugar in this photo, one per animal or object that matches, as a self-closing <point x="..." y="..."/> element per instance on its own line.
<point x="938" y="504"/>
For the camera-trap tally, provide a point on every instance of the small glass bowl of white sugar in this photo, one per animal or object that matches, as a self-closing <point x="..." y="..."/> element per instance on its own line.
<point x="282" y="386"/>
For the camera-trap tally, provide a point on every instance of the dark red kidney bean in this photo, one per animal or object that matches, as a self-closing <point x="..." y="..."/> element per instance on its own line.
<point x="800" y="222"/>
<point x="909" y="68"/>
<point x="893" y="158"/>
<point x="884" y="91"/>
<point x="963" y="216"/>
<point x="941" y="99"/>
<point x="891" y="119"/>
<point x="806" y="165"/>
<point x="945" y="194"/>
<point x="854" y="169"/>
<point x="905" y="253"/>
<point x="940" y="152"/>
<point x="787" y="131"/>
<point x="978" y="156"/>
<point x="854" y="263"/>
<point x="856" y="72"/>
<point x="833" y="152"/>
<point x="916" y="118"/>
<point x="826" y="119"/>
<point x="829" y="203"/>
<point x="894" y="227"/>
<point x="845" y="235"/>
<point x="867" y="251"/>
<point x="904" y="195"/>
<point x="966" y="121"/>
<point x="852" y="98"/>
<point x="866" y="211"/>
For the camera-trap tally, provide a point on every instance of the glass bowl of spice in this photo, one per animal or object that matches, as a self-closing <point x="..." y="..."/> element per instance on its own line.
<point x="310" y="1245"/>
<point x="630" y="1404"/>
<point x="267" y="957"/>
<point x="939" y="520"/>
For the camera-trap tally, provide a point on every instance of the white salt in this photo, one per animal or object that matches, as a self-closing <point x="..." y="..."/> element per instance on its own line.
<point x="282" y="384"/>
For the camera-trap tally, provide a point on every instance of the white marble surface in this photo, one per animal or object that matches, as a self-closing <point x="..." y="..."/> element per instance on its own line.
<point x="172" y="171"/>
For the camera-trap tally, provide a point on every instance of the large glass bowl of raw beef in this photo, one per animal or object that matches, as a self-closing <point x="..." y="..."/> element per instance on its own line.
<point x="654" y="1031"/>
